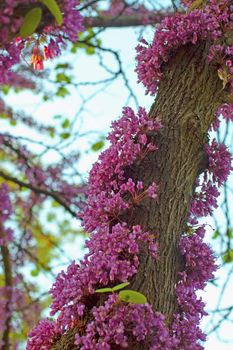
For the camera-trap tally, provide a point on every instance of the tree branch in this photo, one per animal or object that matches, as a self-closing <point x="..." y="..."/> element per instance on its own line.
<point x="126" y="21"/>
<point x="7" y="268"/>
<point x="39" y="190"/>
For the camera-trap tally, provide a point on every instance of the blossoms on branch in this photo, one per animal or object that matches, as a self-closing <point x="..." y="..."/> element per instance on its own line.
<point x="42" y="336"/>
<point x="113" y="247"/>
<point x="220" y="160"/>
<point x="225" y="110"/>
<point x="48" y="40"/>
<point x="212" y="22"/>
<point x="199" y="268"/>
<point x="206" y="188"/>
<point x="116" y="324"/>
<point x="108" y="187"/>
<point x="5" y="203"/>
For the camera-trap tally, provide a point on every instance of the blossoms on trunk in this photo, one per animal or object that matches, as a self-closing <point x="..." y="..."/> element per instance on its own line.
<point x="105" y="321"/>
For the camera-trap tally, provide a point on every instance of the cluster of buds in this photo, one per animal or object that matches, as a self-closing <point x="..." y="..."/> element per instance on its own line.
<point x="38" y="57"/>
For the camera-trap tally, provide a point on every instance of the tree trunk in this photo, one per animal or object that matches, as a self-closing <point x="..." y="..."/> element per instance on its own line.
<point x="188" y="96"/>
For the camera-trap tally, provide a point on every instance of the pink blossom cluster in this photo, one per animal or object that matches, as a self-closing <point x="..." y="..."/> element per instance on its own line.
<point x="222" y="55"/>
<point x="205" y="197"/>
<point x="112" y="258"/>
<point x="115" y="324"/>
<point x="12" y="299"/>
<point x="12" y="45"/>
<point x="21" y="117"/>
<point x="199" y="268"/>
<point x="120" y="8"/>
<point x="6" y="306"/>
<point x="5" y="212"/>
<point x="43" y="336"/>
<point x="5" y="203"/>
<point x="108" y="187"/>
<point x="113" y="247"/>
<point x="210" y="22"/>
<point x="49" y="179"/>
<point x="226" y="111"/>
<point x="199" y="259"/>
<point x="220" y="162"/>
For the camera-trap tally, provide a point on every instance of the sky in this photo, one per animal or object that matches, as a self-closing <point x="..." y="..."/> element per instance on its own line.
<point x="101" y="111"/>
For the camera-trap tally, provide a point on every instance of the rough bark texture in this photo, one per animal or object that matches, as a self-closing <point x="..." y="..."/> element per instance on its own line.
<point x="189" y="94"/>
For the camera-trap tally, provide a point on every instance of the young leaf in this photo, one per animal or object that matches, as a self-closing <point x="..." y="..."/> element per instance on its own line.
<point x="54" y="9"/>
<point x="62" y="92"/>
<point x="30" y="22"/>
<point x="97" y="146"/>
<point x="120" y="286"/>
<point x="65" y="124"/>
<point x="133" y="297"/>
<point x="65" y="135"/>
<point x="216" y="234"/>
<point x="228" y="256"/>
<point x="103" y="290"/>
<point x="229" y="232"/>
<point x="35" y="272"/>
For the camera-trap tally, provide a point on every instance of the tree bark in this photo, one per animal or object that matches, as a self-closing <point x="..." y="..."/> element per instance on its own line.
<point x="188" y="96"/>
<point x="126" y="21"/>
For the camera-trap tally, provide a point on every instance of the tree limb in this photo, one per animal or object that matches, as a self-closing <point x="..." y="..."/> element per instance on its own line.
<point x="126" y="21"/>
<point x="39" y="190"/>
<point x="7" y="269"/>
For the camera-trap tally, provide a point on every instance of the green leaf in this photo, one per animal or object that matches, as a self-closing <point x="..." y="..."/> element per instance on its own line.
<point x="13" y="122"/>
<point x="51" y="217"/>
<point x="62" y="66"/>
<point x="55" y="204"/>
<point x="4" y="115"/>
<point x="114" y="289"/>
<point x="97" y="146"/>
<point x="65" y="124"/>
<point x="62" y="77"/>
<point x="120" y="286"/>
<point x="35" y="272"/>
<point x="53" y="7"/>
<point x="74" y="48"/>
<point x="5" y="89"/>
<point x="51" y="131"/>
<point x="30" y="22"/>
<point x="133" y="297"/>
<point x="62" y="91"/>
<point x="216" y="234"/>
<point x="103" y="290"/>
<point x="65" y="135"/>
<point x="228" y="256"/>
<point x="229" y="232"/>
<point x="90" y="50"/>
